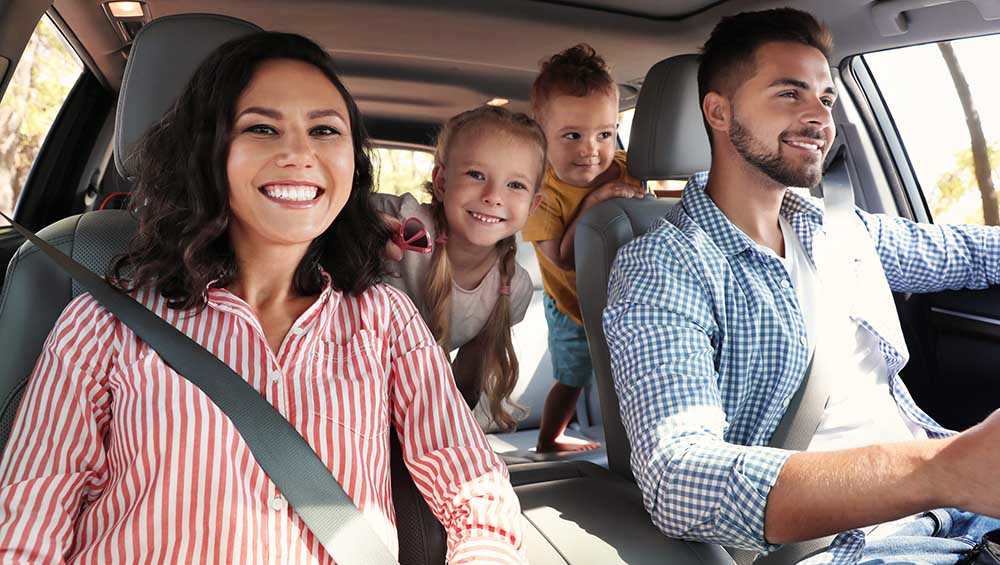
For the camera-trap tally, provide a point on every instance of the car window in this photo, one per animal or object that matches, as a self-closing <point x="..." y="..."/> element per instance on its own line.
<point x="625" y="126"/>
<point x="403" y="170"/>
<point x="942" y="99"/>
<point x="42" y="80"/>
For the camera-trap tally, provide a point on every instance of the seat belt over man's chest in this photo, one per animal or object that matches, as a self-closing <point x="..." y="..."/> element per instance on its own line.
<point x="805" y="409"/>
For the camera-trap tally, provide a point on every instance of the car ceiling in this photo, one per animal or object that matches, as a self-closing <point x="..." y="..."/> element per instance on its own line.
<point x="421" y="61"/>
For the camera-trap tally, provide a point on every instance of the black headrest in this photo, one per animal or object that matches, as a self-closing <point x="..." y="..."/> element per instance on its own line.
<point x="164" y="55"/>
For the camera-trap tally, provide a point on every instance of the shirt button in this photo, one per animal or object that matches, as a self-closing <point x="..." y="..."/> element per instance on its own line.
<point x="279" y="503"/>
<point x="803" y="340"/>
<point x="298" y="331"/>
<point x="275" y="376"/>
<point x="785" y="284"/>
<point x="786" y="402"/>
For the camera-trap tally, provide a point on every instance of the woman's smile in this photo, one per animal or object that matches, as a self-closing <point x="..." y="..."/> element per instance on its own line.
<point x="292" y="194"/>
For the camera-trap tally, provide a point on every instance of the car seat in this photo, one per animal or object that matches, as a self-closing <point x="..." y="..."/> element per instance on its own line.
<point x="668" y="141"/>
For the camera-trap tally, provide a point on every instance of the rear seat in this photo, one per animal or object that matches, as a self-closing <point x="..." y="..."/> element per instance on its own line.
<point x="531" y="344"/>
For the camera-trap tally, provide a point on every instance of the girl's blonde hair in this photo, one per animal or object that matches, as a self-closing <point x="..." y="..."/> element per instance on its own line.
<point x="499" y="364"/>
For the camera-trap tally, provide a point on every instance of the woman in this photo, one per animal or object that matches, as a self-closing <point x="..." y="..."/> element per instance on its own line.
<point x="255" y="238"/>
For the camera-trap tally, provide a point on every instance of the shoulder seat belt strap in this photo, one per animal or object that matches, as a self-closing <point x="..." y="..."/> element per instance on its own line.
<point x="805" y="410"/>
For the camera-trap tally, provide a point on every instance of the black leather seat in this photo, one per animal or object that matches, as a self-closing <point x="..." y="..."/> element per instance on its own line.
<point x="36" y="291"/>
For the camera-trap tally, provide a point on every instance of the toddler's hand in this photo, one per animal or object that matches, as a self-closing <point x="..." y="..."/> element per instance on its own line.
<point x="616" y="189"/>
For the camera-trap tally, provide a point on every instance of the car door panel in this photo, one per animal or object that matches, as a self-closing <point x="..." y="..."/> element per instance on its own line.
<point x="954" y="341"/>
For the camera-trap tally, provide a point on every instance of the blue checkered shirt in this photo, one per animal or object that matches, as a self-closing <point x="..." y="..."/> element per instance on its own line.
<point x="707" y="347"/>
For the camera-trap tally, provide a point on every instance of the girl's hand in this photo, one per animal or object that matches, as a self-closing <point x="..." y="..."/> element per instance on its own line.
<point x="392" y="252"/>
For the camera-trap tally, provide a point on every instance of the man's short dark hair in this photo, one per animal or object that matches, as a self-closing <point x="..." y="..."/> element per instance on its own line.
<point x="728" y="57"/>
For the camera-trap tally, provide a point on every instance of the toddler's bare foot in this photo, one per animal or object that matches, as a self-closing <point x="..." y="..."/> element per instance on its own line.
<point x="567" y="443"/>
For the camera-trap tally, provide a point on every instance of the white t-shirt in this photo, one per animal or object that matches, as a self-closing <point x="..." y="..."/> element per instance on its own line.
<point x="861" y="410"/>
<point x="470" y="308"/>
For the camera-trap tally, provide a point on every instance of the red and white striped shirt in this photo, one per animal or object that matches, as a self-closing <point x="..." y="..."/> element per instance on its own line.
<point x="115" y="458"/>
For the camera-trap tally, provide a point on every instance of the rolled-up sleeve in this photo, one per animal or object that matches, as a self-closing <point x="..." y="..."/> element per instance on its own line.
<point x="934" y="257"/>
<point x="661" y="332"/>
<point x="464" y="482"/>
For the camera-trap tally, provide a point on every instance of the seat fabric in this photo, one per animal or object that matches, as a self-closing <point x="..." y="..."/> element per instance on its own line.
<point x="599" y="235"/>
<point x="668" y="141"/>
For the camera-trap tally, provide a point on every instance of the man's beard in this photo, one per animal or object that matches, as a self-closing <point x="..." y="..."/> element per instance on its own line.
<point x="771" y="163"/>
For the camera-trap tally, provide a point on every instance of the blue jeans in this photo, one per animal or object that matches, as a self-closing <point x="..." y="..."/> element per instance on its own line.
<point x="937" y="537"/>
<point x="568" y="347"/>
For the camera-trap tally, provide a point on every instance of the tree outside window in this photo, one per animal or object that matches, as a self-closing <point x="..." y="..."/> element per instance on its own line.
<point x="42" y="80"/>
<point x="948" y="122"/>
<point x="401" y="171"/>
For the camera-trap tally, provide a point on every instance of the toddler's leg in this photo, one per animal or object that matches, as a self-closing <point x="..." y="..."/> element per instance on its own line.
<point x="572" y="370"/>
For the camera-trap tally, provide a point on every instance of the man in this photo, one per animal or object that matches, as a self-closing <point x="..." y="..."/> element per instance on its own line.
<point x="713" y="316"/>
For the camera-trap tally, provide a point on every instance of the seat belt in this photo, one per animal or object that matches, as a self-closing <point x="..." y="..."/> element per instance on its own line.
<point x="801" y="420"/>
<point x="805" y="410"/>
<point x="284" y="455"/>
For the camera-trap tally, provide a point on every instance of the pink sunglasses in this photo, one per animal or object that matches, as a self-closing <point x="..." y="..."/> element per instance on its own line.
<point x="412" y="236"/>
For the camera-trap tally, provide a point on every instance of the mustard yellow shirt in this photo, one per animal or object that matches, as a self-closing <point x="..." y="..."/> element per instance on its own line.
<point x="560" y="203"/>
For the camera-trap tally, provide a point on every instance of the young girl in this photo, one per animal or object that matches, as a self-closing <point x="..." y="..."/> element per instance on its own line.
<point x="461" y="272"/>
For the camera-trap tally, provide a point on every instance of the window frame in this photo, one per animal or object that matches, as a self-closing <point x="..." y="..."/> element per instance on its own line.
<point x="895" y="159"/>
<point x="28" y="208"/>
<point x="51" y="190"/>
<point x="74" y="43"/>
<point x="896" y="162"/>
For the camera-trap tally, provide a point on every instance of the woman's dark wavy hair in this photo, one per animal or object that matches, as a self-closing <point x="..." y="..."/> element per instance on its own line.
<point x="181" y="196"/>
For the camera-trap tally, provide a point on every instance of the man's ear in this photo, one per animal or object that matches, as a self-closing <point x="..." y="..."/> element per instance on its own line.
<point x="717" y="111"/>
<point x="437" y="181"/>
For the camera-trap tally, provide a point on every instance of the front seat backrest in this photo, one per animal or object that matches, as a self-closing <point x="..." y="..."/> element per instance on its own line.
<point x="668" y="141"/>
<point x="599" y="234"/>
<point x="164" y="55"/>
<point x="36" y="291"/>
